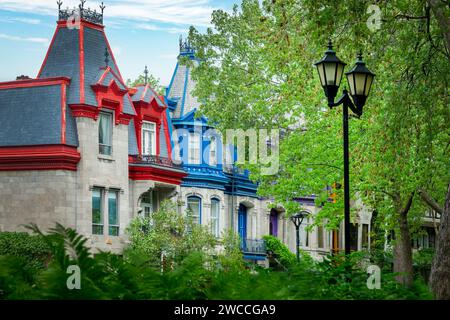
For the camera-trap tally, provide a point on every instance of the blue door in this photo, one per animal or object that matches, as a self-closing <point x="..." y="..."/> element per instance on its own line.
<point x="242" y="224"/>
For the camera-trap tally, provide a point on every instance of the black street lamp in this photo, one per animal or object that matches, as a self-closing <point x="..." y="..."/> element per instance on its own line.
<point x="360" y="79"/>
<point x="297" y="219"/>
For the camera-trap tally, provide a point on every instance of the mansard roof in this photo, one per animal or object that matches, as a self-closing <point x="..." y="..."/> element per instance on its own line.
<point x="180" y="90"/>
<point x="34" y="112"/>
<point x="190" y="119"/>
<point x="82" y="53"/>
<point x="147" y="94"/>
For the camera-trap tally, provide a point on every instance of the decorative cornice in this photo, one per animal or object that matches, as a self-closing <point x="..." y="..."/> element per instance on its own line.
<point x="155" y="174"/>
<point x="28" y="83"/>
<point x="84" y="111"/>
<point x="45" y="157"/>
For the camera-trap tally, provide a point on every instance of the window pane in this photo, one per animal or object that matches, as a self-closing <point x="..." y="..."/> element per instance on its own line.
<point x="148" y="138"/>
<point x="97" y="219"/>
<point x="215" y="207"/>
<point x="105" y="133"/>
<point x="212" y="152"/>
<point x="320" y="237"/>
<point x="365" y="236"/>
<point x="194" y="209"/>
<point x="113" y="217"/>
<point x="194" y="148"/>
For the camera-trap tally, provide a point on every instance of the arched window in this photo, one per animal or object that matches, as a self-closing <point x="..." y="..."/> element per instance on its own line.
<point x="215" y="214"/>
<point x="194" y="209"/>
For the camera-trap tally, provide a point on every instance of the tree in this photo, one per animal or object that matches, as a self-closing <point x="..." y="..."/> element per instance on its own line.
<point x="440" y="269"/>
<point x="167" y="237"/>
<point x="256" y="72"/>
<point x="151" y="80"/>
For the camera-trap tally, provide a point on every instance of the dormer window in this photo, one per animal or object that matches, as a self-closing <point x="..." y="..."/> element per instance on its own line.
<point x="194" y="148"/>
<point x="213" y="152"/>
<point x="105" y="133"/>
<point x="148" y="138"/>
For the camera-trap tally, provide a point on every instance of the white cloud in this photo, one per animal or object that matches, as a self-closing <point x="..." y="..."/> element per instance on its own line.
<point x="153" y="27"/>
<point x="44" y="41"/>
<point x="22" y="20"/>
<point x="185" y="12"/>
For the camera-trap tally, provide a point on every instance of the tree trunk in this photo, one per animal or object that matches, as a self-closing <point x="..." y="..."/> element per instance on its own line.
<point x="403" y="263"/>
<point x="440" y="269"/>
<point x="440" y="10"/>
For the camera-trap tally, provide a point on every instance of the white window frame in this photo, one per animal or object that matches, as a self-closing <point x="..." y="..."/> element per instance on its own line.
<point x="194" y="150"/>
<point x="215" y="217"/>
<point x="213" y="152"/>
<point x="195" y="216"/>
<point x="145" y="147"/>
<point x="101" y="146"/>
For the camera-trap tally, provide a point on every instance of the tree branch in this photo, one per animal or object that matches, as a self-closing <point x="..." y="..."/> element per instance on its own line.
<point x="408" y="204"/>
<point x="430" y="201"/>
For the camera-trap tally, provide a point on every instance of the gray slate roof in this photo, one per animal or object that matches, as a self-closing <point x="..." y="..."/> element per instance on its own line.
<point x="181" y="89"/>
<point x="32" y="116"/>
<point x="64" y="60"/>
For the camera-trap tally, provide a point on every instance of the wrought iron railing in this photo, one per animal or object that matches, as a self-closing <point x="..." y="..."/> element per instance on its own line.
<point x="255" y="246"/>
<point x="156" y="160"/>
<point x="81" y="13"/>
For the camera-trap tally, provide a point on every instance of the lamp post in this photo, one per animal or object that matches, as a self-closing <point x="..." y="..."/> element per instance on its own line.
<point x="360" y="79"/>
<point x="297" y="219"/>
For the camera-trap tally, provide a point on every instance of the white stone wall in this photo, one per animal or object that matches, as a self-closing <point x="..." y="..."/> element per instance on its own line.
<point x="41" y="196"/>
<point x="206" y="195"/>
<point x="107" y="172"/>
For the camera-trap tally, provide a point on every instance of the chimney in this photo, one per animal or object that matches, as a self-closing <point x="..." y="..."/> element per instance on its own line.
<point x="22" y="77"/>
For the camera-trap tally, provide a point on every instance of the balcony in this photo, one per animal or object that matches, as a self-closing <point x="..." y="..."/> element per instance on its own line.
<point x="155" y="160"/>
<point x="253" y="249"/>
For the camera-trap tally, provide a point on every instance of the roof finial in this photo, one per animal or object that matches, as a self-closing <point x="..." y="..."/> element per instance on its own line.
<point x="106" y="57"/>
<point x="102" y="7"/>
<point x="146" y="75"/>
<point x="330" y="44"/>
<point x="360" y="55"/>
<point x="82" y="4"/>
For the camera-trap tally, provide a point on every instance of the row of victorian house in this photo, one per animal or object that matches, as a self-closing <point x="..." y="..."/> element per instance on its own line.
<point x="79" y="147"/>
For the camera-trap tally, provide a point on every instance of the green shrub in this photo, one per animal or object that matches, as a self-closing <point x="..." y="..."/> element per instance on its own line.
<point x="280" y="251"/>
<point x="31" y="248"/>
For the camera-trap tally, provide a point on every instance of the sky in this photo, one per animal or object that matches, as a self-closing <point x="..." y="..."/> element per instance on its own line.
<point x="141" y="32"/>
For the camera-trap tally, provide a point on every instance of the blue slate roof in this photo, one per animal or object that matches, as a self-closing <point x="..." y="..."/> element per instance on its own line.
<point x="32" y="116"/>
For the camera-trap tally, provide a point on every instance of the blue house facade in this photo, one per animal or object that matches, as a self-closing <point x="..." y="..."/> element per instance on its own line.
<point x="215" y="192"/>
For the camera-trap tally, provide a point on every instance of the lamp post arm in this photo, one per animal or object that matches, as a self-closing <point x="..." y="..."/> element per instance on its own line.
<point x="345" y="99"/>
